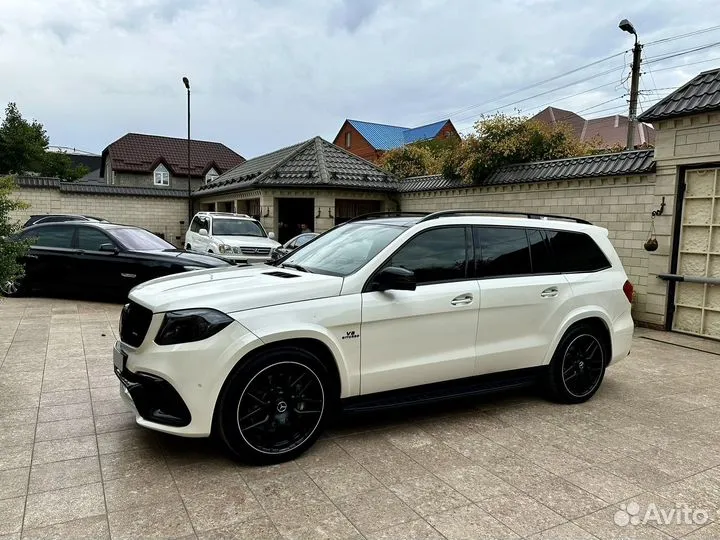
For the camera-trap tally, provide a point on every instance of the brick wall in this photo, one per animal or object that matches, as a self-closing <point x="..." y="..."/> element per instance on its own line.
<point x="158" y="214"/>
<point x="146" y="180"/>
<point x="358" y="145"/>
<point x="621" y="204"/>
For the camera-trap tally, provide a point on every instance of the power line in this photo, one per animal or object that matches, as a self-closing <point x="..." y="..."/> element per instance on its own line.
<point x="717" y="58"/>
<point x="660" y="58"/>
<point x="536" y="84"/>
<point x="539" y="94"/>
<point x="683" y="36"/>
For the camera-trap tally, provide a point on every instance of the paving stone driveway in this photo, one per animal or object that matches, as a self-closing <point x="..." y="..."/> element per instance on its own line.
<point x="73" y="464"/>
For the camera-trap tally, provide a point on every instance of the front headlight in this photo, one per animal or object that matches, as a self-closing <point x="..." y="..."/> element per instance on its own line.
<point x="224" y="248"/>
<point x="187" y="325"/>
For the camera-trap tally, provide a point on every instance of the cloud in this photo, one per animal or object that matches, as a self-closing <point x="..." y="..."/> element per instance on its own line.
<point x="352" y="14"/>
<point x="270" y="73"/>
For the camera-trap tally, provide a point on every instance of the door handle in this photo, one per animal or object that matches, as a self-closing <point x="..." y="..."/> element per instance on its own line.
<point x="462" y="300"/>
<point x="550" y="292"/>
<point x="31" y="256"/>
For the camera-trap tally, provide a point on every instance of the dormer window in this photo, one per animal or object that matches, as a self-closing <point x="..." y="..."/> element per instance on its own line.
<point x="162" y="176"/>
<point x="211" y="175"/>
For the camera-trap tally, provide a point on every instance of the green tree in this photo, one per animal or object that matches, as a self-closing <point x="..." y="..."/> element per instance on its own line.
<point x="23" y="149"/>
<point x="417" y="159"/>
<point x="505" y="140"/>
<point x="10" y="251"/>
<point x="58" y="165"/>
<point x="22" y="143"/>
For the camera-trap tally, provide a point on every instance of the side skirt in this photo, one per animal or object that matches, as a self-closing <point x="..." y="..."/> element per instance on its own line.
<point x="446" y="390"/>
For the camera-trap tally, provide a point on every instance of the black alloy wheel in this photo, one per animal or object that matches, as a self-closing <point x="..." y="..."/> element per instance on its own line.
<point x="280" y="407"/>
<point x="582" y="365"/>
<point x="578" y="365"/>
<point x="274" y="407"/>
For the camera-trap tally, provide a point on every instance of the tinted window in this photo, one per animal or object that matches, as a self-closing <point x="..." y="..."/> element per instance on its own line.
<point x="501" y="251"/>
<point x="195" y="225"/>
<point x="91" y="239"/>
<point x="434" y="255"/>
<point x="59" y="237"/>
<point x="542" y="261"/>
<point x="576" y="252"/>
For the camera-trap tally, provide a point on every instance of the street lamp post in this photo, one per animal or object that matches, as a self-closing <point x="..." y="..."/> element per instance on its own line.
<point x="627" y="26"/>
<point x="186" y="82"/>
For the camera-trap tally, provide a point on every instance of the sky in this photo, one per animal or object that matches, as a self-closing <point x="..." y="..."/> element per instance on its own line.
<point x="269" y="73"/>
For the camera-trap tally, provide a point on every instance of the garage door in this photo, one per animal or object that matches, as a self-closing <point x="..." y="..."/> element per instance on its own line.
<point x="697" y="305"/>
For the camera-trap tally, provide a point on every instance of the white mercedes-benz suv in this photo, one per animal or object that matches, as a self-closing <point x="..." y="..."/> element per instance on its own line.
<point x="234" y="236"/>
<point x="383" y="310"/>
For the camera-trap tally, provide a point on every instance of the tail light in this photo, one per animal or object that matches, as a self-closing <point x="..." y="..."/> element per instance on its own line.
<point x="628" y="290"/>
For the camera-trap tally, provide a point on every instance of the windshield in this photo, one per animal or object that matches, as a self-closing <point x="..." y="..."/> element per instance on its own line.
<point x="344" y="250"/>
<point x="236" y="227"/>
<point x="140" y="239"/>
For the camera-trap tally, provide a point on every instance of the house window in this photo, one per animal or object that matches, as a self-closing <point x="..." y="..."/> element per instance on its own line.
<point x="348" y="139"/>
<point x="211" y="175"/>
<point x="162" y="176"/>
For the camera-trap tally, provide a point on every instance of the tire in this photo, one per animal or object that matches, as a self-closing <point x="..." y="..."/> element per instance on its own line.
<point x="12" y="288"/>
<point x="578" y="365"/>
<point x="262" y="416"/>
<point x="187" y="247"/>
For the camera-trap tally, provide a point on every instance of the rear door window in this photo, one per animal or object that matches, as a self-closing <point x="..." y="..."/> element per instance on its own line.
<point x="575" y="252"/>
<point x="501" y="251"/>
<point x="60" y="236"/>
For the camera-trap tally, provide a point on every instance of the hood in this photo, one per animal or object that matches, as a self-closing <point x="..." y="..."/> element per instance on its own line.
<point x="249" y="241"/>
<point x="189" y="258"/>
<point x="234" y="289"/>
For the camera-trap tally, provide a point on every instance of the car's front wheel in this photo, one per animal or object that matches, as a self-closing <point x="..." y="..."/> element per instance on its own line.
<point x="274" y="408"/>
<point x="578" y="365"/>
<point x="12" y="288"/>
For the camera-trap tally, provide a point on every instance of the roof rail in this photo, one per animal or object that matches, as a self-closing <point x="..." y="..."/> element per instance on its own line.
<point x="530" y="215"/>
<point x="373" y="215"/>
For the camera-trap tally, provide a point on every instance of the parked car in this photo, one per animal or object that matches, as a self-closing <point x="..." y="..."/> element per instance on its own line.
<point x="57" y="218"/>
<point x="377" y="312"/>
<point x="291" y="245"/>
<point x="99" y="257"/>
<point x="235" y="236"/>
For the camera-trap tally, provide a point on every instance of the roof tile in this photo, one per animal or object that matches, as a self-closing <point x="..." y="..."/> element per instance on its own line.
<point x="136" y="152"/>
<point x="701" y="94"/>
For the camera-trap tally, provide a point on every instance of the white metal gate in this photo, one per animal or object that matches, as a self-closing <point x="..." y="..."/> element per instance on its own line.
<point x="697" y="305"/>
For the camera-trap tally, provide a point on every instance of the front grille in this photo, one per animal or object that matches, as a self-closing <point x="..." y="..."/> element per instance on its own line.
<point x="134" y="324"/>
<point x="255" y="251"/>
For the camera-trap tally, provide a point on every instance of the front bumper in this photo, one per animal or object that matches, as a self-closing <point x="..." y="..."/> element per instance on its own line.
<point x="174" y="388"/>
<point x="249" y="259"/>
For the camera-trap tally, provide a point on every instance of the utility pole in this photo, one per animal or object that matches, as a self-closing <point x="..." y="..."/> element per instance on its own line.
<point x="634" y="83"/>
<point x="186" y="82"/>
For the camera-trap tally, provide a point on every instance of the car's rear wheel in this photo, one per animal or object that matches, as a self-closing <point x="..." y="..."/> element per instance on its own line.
<point x="12" y="288"/>
<point x="578" y="365"/>
<point x="274" y="408"/>
<point x="187" y="247"/>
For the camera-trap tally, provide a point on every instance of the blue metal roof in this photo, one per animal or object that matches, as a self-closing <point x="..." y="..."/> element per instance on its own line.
<point x="423" y="132"/>
<point x="385" y="137"/>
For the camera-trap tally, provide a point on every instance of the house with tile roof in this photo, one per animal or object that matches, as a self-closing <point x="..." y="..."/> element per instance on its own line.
<point x="369" y="140"/>
<point x="140" y="160"/>
<point x="609" y="130"/>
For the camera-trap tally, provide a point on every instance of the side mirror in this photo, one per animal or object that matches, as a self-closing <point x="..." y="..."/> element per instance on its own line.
<point x="203" y="232"/>
<point x="394" y="278"/>
<point x="109" y="247"/>
<point x="271" y="235"/>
